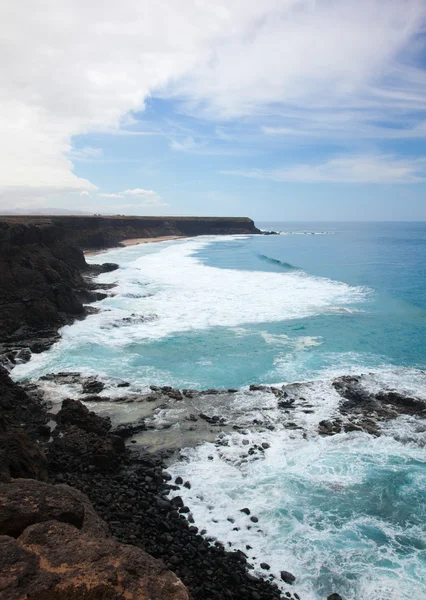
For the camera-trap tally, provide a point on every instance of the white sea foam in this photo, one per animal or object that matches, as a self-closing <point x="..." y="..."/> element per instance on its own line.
<point x="189" y="295"/>
<point x="312" y="520"/>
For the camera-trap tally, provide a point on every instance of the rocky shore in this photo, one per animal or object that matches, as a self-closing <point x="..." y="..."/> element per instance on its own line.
<point x="48" y="525"/>
<point x="124" y="476"/>
<point x="88" y="508"/>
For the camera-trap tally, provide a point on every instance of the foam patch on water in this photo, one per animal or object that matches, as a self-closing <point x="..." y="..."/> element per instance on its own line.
<point x="342" y="514"/>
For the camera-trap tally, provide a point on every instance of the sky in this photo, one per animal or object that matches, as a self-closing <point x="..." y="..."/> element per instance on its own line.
<point x="277" y="110"/>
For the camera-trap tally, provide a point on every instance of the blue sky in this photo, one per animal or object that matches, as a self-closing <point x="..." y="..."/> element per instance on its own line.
<point x="292" y="110"/>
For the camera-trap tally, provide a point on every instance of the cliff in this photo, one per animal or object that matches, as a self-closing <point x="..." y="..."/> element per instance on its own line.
<point x="96" y="232"/>
<point x="44" y="273"/>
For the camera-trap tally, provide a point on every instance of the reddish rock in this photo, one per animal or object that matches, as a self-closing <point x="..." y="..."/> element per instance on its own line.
<point x="24" y="502"/>
<point x="55" y="560"/>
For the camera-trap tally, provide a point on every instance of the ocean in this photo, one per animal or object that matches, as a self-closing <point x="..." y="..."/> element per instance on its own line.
<point x="343" y="513"/>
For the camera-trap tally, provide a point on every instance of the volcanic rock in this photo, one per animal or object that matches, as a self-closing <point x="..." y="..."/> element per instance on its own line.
<point x="56" y="557"/>
<point x="73" y="412"/>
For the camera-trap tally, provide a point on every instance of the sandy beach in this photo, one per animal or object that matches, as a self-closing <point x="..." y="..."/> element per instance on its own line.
<point x="136" y="241"/>
<point x="164" y="238"/>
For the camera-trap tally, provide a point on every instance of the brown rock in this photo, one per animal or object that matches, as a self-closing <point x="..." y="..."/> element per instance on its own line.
<point x="92" y="524"/>
<point x="24" y="502"/>
<point x="56" y="561"/>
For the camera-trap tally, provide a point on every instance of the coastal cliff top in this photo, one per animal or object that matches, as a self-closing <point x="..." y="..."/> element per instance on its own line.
<point x="53" y="218"/>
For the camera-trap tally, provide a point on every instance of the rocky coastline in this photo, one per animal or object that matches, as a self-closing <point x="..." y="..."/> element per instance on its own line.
<point x="53" y="543"/>
<point x="88" y="508"/>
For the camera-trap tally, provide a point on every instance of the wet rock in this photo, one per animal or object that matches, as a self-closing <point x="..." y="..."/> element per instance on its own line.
<point x="259" y="388"/>
<point x="73" y="412"/>
<point x="330" y="427"/>
<point x="63" y="377"/>
<point x="92" y="386"/>
<point x="245" y="511"/>
<point x="334" y="597"/>
<point x="126" y="430"/>
<point x="287" y="577"/>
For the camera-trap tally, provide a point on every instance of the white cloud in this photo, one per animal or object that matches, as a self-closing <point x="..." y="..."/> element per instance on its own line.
<point x="85" y="193"/>
<point x="185" y="145"/>
<point x="346" y="169"/>
<point x="141" y="192"/>
<point x="72" y="67"/>
<point x="146" y="197"/>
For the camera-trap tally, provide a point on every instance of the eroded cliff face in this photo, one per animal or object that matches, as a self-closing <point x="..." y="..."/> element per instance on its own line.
<point x="93" y="232"/>
<point x="41" y="281"/>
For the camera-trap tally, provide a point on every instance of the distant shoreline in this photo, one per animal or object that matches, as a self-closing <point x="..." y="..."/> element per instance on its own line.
<point x="137" y="241"/>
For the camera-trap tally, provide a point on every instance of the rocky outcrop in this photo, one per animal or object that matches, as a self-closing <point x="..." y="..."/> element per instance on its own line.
<point x="56" y="560"/>
<point x="21" y="418"/>
<point x="53" y="545"/>
<point x="74" y="412"/>
<point x="20" y="457"/>
<point x="42" y="285"/>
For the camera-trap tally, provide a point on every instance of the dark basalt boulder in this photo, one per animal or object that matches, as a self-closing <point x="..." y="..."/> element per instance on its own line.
<point x="20" y="457"/>
<point x="92" y="386"/>
<point x="288" y="577"/>
<point x="73" y="412"/>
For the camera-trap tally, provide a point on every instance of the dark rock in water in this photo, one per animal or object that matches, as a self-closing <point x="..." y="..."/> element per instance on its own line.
<point x="365" y="410"/>
<point x="178" y="480"/>
<point x="73" y="412"/>
<point x="403" y="404"/>
<point x="126" y="430"/>
<point x="334" y="597"/>
<point x="259" y="388"/>
<point x="103" y="268"/>
<point x="63" y="377"/>
<point x="172" y="393"/>
<point x="245" y="510"/>
<point x="92" y="386"/>
<point x="265" y="566"/>
<point x="288" y="577"/>
<point x="20" y="457"/>
<point x="330" y="427"/>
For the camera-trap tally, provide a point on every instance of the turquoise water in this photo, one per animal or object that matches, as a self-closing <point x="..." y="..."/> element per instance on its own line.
<point x="346" y="513"/>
